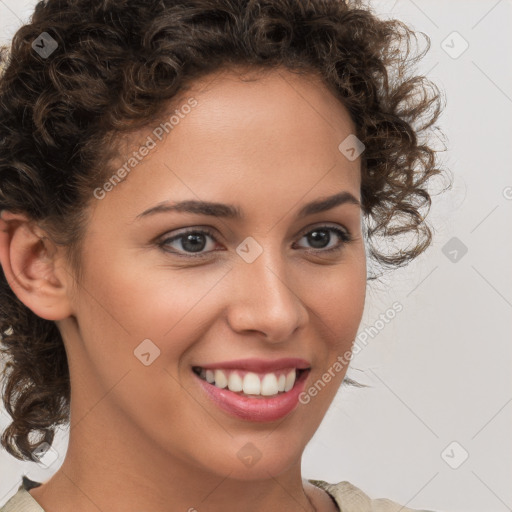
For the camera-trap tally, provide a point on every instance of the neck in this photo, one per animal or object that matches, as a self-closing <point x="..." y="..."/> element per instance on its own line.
<point x="111" y="466"/>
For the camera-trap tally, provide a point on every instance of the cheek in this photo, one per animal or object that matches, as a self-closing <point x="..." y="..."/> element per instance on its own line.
<point x="145" y="301"/>
<point x="338" y="299"/>
<point x="131" y="305"/>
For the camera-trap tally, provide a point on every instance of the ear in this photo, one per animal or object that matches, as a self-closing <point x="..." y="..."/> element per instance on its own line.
<point x="33" y="267"/>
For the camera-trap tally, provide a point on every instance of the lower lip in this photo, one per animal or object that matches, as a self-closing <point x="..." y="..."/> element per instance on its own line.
<point x="255" y="409"/>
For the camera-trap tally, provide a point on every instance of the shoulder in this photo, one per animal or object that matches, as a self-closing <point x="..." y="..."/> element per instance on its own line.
<point x="350" y="498"/>
<point x="23" y="501"/>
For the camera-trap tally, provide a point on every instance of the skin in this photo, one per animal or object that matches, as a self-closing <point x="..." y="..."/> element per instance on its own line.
<point x="143" y="437"/>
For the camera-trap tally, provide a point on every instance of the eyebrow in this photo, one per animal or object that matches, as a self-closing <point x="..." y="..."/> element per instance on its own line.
<point x="233" y="212"/>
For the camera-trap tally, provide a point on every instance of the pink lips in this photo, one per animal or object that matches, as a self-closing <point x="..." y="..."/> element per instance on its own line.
<point x="258" y="409"/>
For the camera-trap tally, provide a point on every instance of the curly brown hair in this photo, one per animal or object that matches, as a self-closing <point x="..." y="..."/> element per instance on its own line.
<point x="117" y="65"/>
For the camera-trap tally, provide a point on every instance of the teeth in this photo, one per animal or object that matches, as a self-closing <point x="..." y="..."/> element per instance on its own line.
<point x="220" y="379"/>
<point x="281" y="382"/>
<point x="251" y="383"/>
<point x="269" y="385"/>
<point x="235" y="382"/>
<point x="290" y="381"/>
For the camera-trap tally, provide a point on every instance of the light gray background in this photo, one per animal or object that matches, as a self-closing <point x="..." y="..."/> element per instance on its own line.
<point x="440" y="370"/>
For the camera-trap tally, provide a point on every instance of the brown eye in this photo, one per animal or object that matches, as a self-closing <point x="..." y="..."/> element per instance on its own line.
<point x="189" y="243"/>
<point x="193" y="243"/>
<point x="320" y="238"/>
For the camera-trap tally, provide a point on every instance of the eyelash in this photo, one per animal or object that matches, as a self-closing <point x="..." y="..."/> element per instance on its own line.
<point x="344" y="235"/>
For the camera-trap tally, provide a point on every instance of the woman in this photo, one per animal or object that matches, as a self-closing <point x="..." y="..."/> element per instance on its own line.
<point x="189" y="193"/>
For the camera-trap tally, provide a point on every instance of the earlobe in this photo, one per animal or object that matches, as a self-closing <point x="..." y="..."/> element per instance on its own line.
<point x="30" y="263"/>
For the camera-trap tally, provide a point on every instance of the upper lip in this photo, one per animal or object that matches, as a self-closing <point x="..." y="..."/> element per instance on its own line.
<point x="259" y="365"/>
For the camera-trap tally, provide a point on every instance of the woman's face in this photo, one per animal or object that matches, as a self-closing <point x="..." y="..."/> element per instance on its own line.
<point x="275" y="288"/>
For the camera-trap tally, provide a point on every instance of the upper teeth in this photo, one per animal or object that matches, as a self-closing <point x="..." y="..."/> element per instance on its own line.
<point x="251" y="383"/>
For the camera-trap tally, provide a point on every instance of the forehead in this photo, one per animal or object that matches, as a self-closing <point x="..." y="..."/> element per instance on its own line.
<point x="236" y="99"/>
<point x="248" y="130"/>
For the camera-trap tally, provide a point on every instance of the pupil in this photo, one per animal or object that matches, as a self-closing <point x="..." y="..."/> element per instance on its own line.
<point x="319" y="236"/>
<point x="195" y="247"/>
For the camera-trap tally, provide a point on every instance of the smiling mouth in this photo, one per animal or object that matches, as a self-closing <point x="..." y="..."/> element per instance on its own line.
<point x="252" y="384"/>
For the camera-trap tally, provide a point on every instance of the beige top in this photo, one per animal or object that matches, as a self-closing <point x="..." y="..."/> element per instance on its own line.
<point x="347" y="497"/>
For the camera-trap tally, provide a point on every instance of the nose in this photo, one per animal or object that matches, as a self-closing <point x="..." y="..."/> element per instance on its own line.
<point x="263" y="300"/>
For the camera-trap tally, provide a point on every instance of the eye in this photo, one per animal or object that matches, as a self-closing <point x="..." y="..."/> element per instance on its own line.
<point x="192" y="240"/>
<point x="192" y="243"/>
<point x="320" y="238"/>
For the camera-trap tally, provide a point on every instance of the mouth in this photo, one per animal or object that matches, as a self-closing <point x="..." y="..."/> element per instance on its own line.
<point x="252" y="384"/>
<point x="253" y="395"/>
